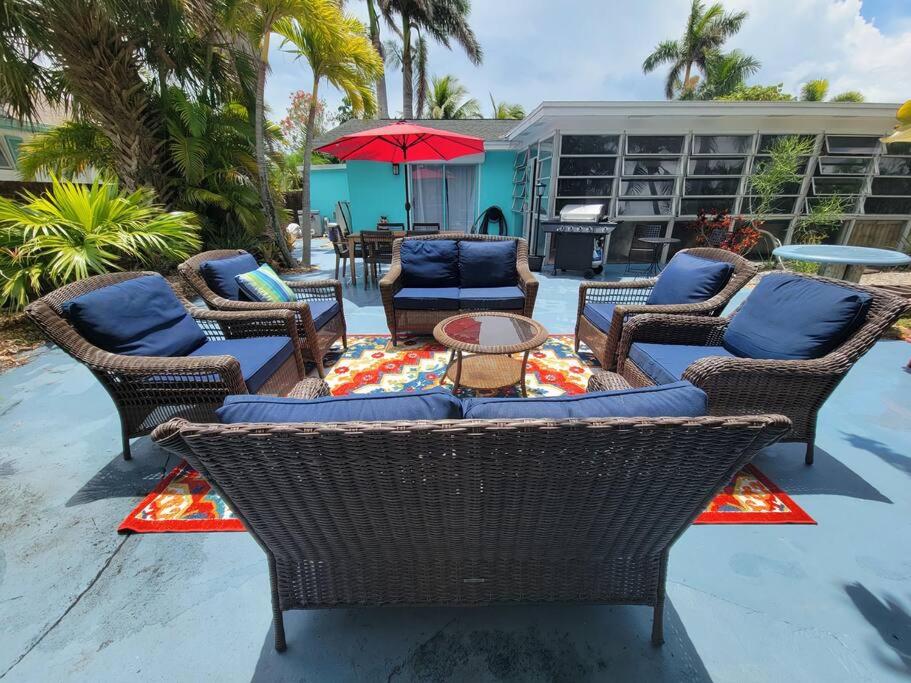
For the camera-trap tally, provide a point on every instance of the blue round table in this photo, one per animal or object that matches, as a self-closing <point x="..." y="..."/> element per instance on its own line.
<point x="843" y="262"/>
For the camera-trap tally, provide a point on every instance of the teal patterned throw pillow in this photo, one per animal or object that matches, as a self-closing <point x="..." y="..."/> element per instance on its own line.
<point x="264" y="284"/>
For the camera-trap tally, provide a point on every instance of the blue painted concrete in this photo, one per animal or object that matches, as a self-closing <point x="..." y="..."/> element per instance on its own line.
<point x="496" y="186"/>
<point x="747" y="603"/>
<point x="328" y="186"/>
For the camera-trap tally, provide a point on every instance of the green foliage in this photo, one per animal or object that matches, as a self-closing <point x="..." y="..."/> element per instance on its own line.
<point x="757" y="93"/>
<point x="769" y="179"/>
<point x="848" y="96"/>
<point x="815" y="90"/>
<point x="73" y="231"/>
<point x="724" y="73"/>
<point x="67" y="150"/>
<point x="506" y="110"/>
<point x="448" y="99"/>
<point x="824" y="217"/>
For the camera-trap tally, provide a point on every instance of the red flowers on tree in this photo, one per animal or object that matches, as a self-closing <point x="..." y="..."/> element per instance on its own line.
<point x="721" y="230"/>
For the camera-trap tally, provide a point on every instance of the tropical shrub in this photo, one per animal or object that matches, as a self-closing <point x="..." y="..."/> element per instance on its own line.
<point x="72" y="231"/>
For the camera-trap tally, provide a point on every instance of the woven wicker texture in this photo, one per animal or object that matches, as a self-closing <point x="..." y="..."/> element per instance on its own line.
<point x="315" y="344"/>
<point x="469" y="512"/>
<point x="744" y="386"/>
<point x="423" y="322"/>
<point x="630" y="297"/>
<point x="195" y="386"/>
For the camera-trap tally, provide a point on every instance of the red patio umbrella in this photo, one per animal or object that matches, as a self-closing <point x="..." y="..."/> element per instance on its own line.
<point x="401" y="142"/>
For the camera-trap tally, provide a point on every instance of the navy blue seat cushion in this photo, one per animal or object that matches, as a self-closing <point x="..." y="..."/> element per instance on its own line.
<point x="787" y="317"/>
<point x="599" y="315"/>
<point x="430" y="263"/>
<point x="689" y="280"/>
<point x="487" y="264"/>
<point x="138" y="317"/>
<point x="434" y="404"/>
<point x="427" y="299"/>
<point x="322" y="310"/>
<point x="680" y="399"/>
<point x="665" y="363"/>
<point x="259" y="357"/>
<point x="491" y="298"/>
<point x="219" y="274"/>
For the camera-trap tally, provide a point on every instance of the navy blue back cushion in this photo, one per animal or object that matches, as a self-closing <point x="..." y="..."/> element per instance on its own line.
<point x="689" y="280"/>
<point x="138" y="317"/>
<point x="680" y="399"/>
<point x="487" y="264"/>
<point x="435" y="404"/>
<point x="430" y="263"/>
<point x="787" y="317"/>
<point x="220" y="273"/>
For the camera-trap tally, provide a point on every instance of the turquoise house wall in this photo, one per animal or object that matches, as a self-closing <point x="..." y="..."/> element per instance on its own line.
<point x="328" y="185"/>
<point x="496" y="185"/>
<point x="375" y="192"/>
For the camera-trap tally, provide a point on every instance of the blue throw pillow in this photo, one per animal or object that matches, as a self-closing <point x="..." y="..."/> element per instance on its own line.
<point x="787" y="317"/>
<point x="138" y="317"/>
<point x="487" y="264"/>
<point x="435" y="404"/>
<point x="689" y="280"/>
<point x="221" y="274"/>
<point x="430" y="263"/>
<point x="680" y="399"/>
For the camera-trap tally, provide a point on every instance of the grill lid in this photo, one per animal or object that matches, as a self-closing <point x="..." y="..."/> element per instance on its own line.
<point x="582" y="213"/>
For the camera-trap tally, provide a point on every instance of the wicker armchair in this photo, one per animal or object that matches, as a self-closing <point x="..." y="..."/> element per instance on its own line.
<point x="630" y="297"/>
<point x="469" y="512"/>
<point x="315" y="343"/>
<point x="423" y="321"/>
<point x="745" y="386"/>
<point x="150" y="390"/>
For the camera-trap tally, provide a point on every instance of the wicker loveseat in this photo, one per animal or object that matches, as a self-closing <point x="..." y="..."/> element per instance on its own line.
<point x="469" y="511"/>
<point x="319" y="309"/>
<point x="433" y="277"/>
<point x="604" y="306"/>
<point x="229" y="352"/>
<point x="744" y="363"/>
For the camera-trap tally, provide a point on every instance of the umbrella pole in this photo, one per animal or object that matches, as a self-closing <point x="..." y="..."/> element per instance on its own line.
<point x="407" y="194"/>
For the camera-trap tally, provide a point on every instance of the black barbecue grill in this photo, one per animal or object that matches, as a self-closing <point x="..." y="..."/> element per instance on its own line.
<point x="575" y="235"/>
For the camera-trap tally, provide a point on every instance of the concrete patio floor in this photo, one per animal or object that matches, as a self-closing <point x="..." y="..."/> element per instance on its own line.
<point x="746" y="603"/>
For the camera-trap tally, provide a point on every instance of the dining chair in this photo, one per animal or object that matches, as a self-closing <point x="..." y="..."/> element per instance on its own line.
<point x="376" y="245"/>
<point x="425" y="228"/>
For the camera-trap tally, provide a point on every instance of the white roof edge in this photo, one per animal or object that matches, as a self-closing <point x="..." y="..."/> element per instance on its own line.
<point x="695" y="108"/>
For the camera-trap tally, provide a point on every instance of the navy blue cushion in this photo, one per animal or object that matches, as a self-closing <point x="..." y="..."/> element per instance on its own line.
<point x="435" y="404"/>
<point x="220" y="273"/>
<point x="681" y="399"/>
<point x="599" y="315"/>
<point x="259" y="357"/>
<point x="690" y="280"/>
<point x="665" y="363"/>
<point x="487" y="264"/>
<point x="787" y="317"/>
<point x="138" y="317"/>
<point x="430" y="263"/>
<point x="322" y="310"/>
<point x="491" y="298"/>
<point x="427" y="299"/>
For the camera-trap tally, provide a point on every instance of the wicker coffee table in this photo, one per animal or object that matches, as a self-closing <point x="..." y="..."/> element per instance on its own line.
<point x="491" y="338"/>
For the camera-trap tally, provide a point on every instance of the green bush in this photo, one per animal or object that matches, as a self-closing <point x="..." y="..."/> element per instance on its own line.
<point x="72" y="231"/>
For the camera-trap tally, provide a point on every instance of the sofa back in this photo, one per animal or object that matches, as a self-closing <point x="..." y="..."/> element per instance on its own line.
<point x="379" y="506"/>
<point x="459" y="260"/>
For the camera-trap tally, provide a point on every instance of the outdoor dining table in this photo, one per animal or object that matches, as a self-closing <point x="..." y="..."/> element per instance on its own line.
<point x="353" y="240"/>
<point x="842" y="262"/>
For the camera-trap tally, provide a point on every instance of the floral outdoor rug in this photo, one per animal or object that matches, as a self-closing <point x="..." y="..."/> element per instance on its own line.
<point x="183" y="501"/>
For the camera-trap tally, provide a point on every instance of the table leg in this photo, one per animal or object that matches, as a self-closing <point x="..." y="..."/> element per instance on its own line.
<point x="524" y="363"/>
<point x="853" y="273"/>
<point x="448" y="365"/>
<point x="458" y="375"/>
<point x="653" y="266"/>
<point x="352" y="268"/>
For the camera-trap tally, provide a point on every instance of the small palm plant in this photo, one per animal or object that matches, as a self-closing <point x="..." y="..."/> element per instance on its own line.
<point x="73" y="231"/>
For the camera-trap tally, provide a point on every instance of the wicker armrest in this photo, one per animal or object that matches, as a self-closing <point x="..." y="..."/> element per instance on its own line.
<point x="392" y="280"/>
<point x="306" y="290"/>
<point x="312" y="387"/>
<point x="606" y="381"/>
<point x="671" y="329"/>
<point x="272" y="322"/>
<point x="716" y="366"/>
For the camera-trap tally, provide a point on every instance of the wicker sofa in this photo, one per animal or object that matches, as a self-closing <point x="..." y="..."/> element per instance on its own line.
<point x="604" y="306"/>
<point x="469" y="511"/>
<point x="432" y="278"/>
<point x="319" y="310"/>
<point x="662" y="348"/>
<point x="148" y="390"/>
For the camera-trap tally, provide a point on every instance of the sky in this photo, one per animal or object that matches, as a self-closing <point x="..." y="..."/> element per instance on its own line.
<point x="537" y="50"/>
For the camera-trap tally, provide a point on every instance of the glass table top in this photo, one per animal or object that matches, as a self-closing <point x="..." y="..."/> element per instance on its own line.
<point x="490" y="330"/>
<point x="840" y="253"/>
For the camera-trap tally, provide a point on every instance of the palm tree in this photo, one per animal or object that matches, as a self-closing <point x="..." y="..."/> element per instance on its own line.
<point x="724" y="73"/>
<point x="382" y="100"/>
<point x="341" y="53"/>
<point x="706" y="31"/>
<point x="421" y="78"/>
<point x="816" y="91"/>
<point x="506" y="110"/>
<point x="449" y="99"/>
<point x="443" y="20"/>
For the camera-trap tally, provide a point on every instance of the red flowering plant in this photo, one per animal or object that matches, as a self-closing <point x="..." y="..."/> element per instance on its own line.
<point x="722" y="230"/>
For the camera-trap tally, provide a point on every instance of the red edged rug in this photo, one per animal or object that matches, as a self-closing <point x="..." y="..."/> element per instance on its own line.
<point x="184" y="502"/>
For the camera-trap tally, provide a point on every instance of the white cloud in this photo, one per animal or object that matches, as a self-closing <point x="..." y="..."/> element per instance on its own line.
<point x="593" y="49"/>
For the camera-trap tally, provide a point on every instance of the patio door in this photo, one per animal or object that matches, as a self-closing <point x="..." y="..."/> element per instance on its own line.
<point x="445" y="194"/>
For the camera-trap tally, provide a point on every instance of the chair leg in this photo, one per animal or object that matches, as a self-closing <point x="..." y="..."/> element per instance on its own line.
<point x="278" y="621"/>
<point x="811" y="450"/>
<point x="336" y="266"/>
<point x="319" y="367"/>
<point x="658" y="624"/>
<point x="125" y="439"/>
